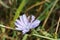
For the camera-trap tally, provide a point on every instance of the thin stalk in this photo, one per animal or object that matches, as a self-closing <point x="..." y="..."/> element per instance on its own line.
<point x="49" y="14"/>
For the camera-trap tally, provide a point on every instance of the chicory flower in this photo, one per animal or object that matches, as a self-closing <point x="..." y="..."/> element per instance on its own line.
<point x="23" y="24"/>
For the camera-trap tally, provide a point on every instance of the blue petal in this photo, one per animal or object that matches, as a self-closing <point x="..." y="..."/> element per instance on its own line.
<point x="25" y="31"/>
<point x="25" y="19"/>
<point x="19" y="27"/>
<point x="32" y="18"/>
<point x="35" y="24"/>
<point x="28" y="17"/>
<point x="20" y="22"/>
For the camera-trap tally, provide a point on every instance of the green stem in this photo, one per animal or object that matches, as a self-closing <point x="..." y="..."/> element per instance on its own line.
<point x="43" y="37"/>
<point x="25" y="37"/>
<point x="18" y="11"/>
<point x="3" y="4"/>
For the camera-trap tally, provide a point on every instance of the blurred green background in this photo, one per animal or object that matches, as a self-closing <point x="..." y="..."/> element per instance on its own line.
<point x="47" y="11"/>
